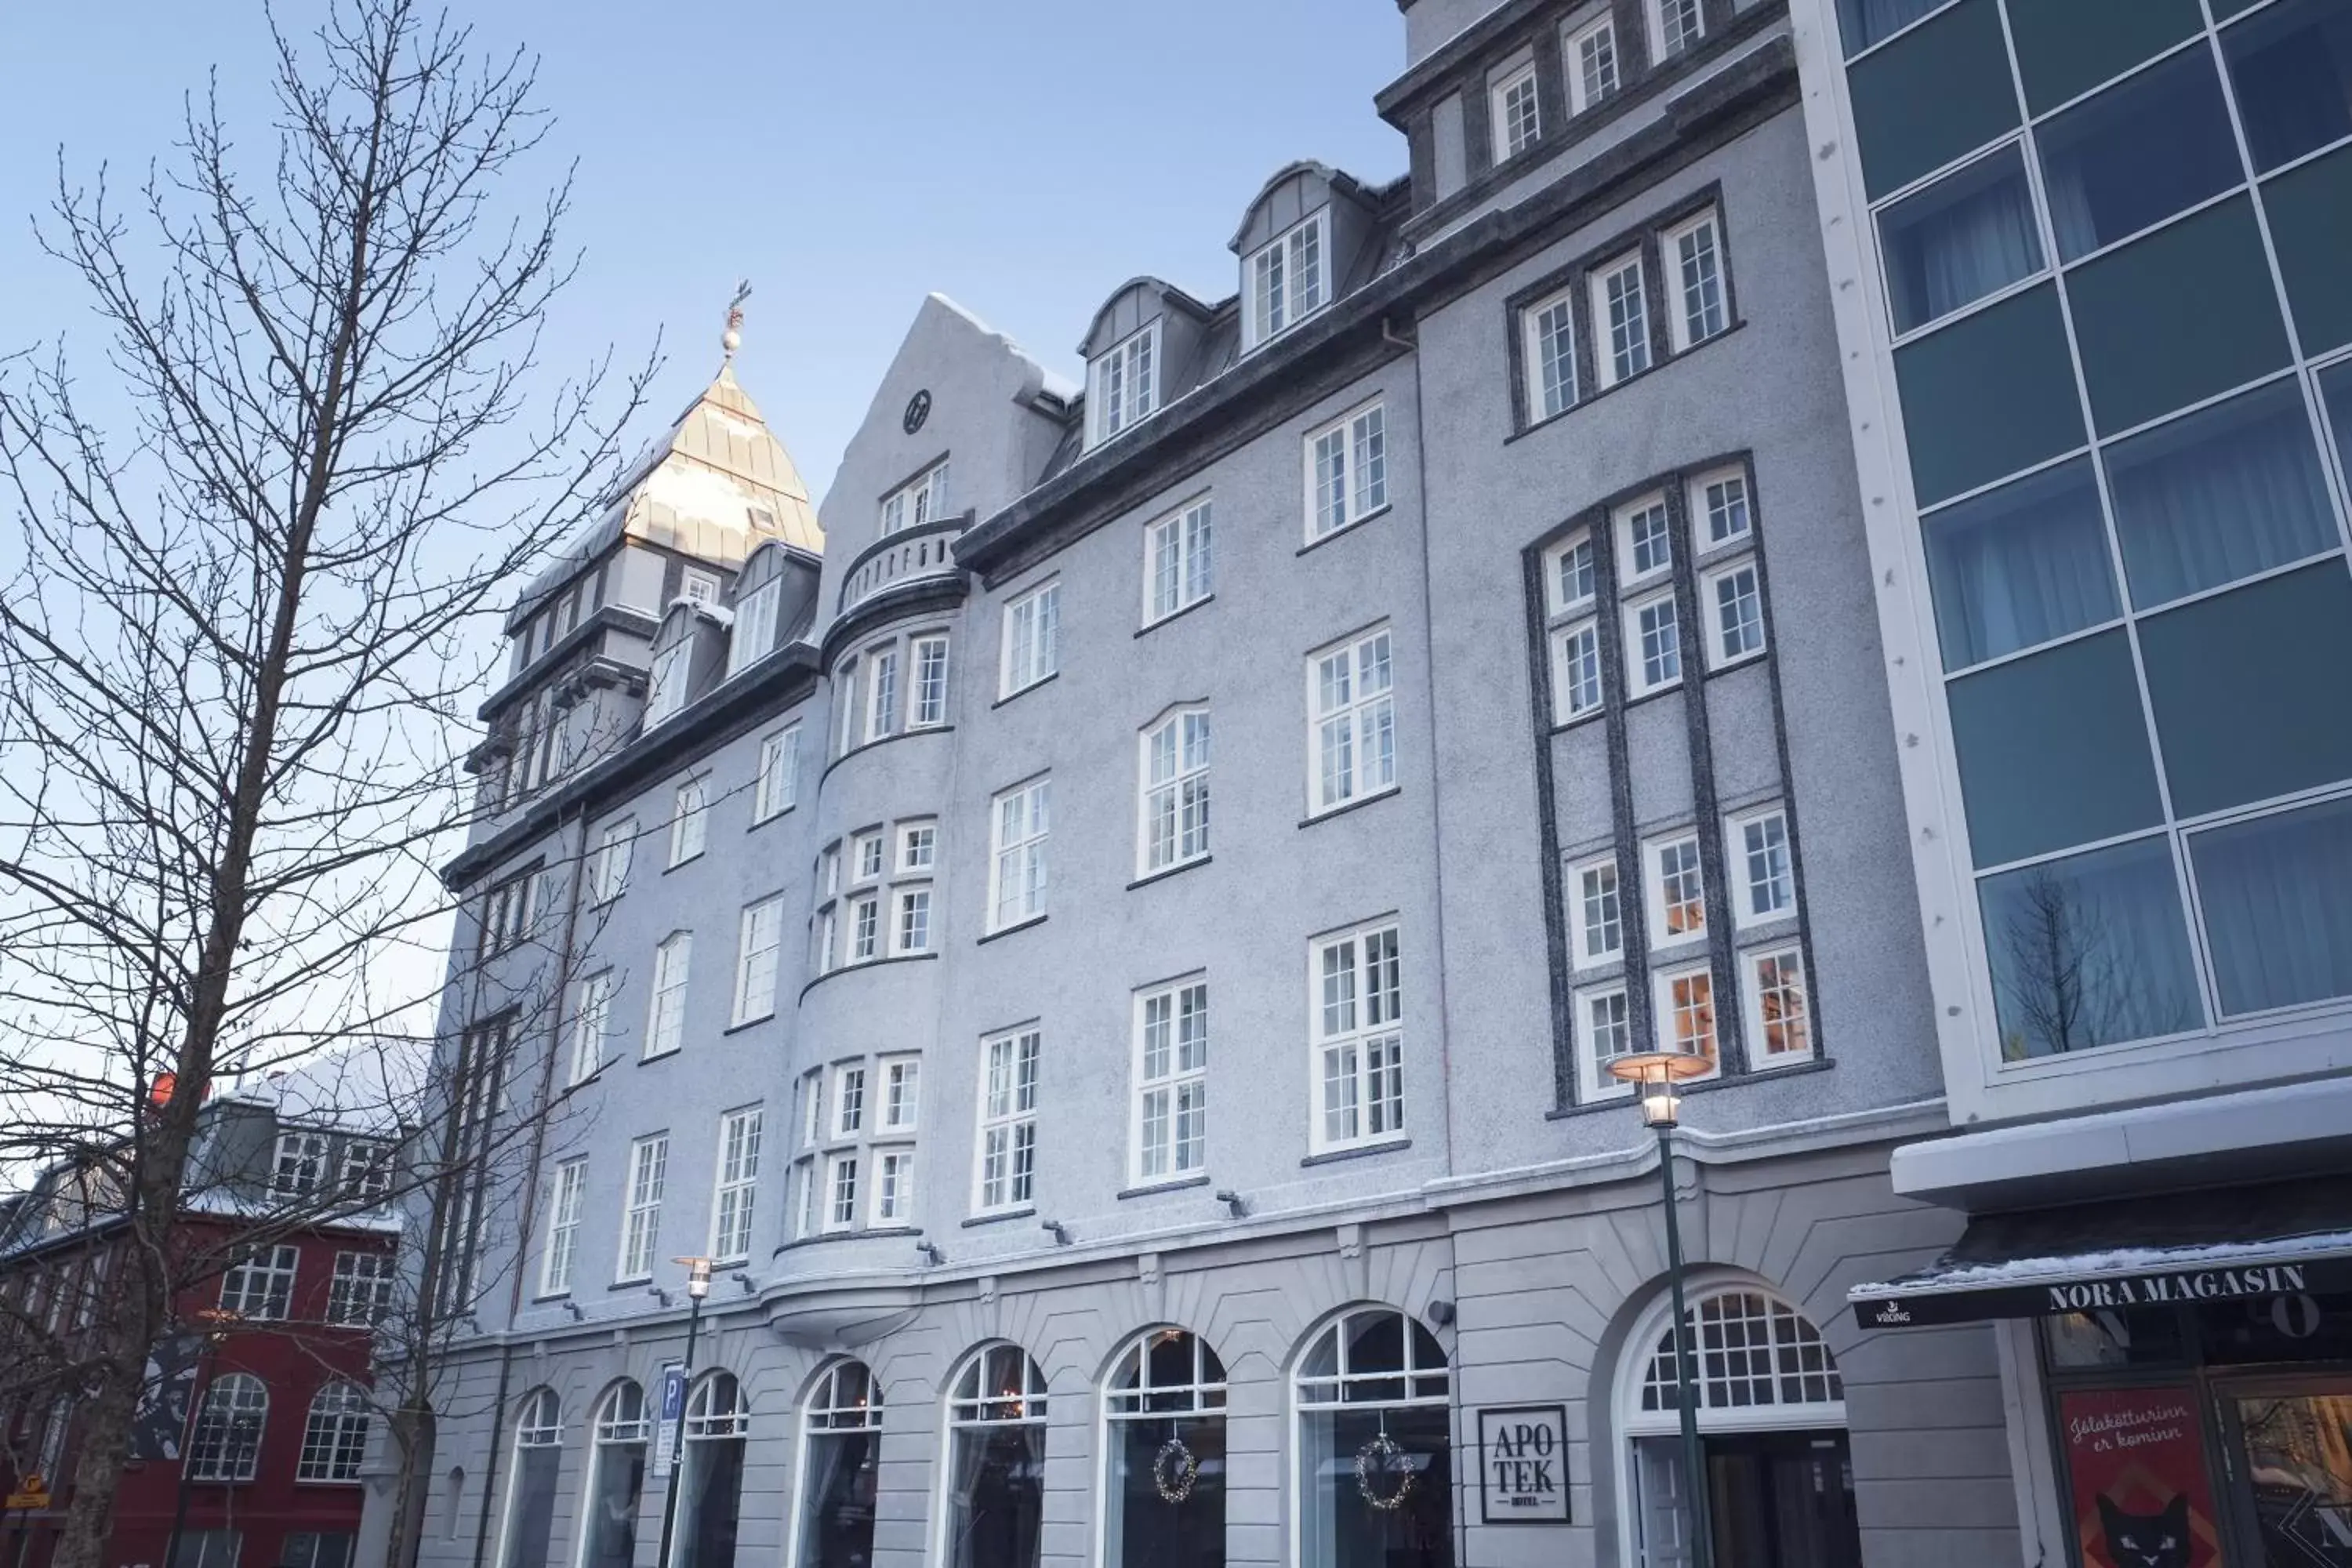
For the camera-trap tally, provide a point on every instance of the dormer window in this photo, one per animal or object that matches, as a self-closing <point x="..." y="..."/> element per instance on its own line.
<point x="921" y="499"/>
<point x="666" y="688"/>
<point x="700" y="587"/>
<point x="1517" y="120"/>
<point x="1288" y="280"/>
<point x="755" y="626"/>
<point x="1125" y="384"/>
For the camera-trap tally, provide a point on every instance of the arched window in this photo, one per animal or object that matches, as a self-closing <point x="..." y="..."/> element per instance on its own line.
<point x="531" y="1495"/>
<point x="227" y="1442"/>
<point x="759" y="593"/>
<point x="711" y="1485"/>
<point x="334" y="1435"/>
<point x="996" y="1466"/>
<point x="1375" y="1445"/>
<point x="1772" y="1420"/>
<point x="840" y="1462"/>
<point x="1164" y="1484"/>
<point x="616" y="1478"/>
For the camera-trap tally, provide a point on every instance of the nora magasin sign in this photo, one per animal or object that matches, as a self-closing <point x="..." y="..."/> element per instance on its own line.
<point x="1522" y="1464"/>
<point x="1894" y="1307"/>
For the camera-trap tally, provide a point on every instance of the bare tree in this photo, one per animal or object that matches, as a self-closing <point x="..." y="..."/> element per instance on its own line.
<point x="234" y="651"/>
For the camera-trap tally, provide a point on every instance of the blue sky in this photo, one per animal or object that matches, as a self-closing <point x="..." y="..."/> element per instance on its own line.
<point x="1023" y="156"/>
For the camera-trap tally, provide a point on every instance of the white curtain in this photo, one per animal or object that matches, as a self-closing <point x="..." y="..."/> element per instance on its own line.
<point x="1960" y="239"/>
<point x="2090" y="951"/>
<point x="1865" y="22"/>
<point x="2277" y="898"/>
<point x="2019" y="567"/>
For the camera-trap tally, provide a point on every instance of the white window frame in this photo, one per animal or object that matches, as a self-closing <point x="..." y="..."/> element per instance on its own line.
<point x="866" y="861"/>
<point x="813" y="1108"/>
<point x="641" y="1205"/>
<point x="1555" y="557"/>
<point x="697" y="586"/>
<point x="1123" y="383"/>
<point x="1502" y="116"/>
<point x="299" y="1163"/>
<point x="1657" y="522"/>
<point x="1017" y="853"/>
<point x="1739" y="853"/>
<point x="883" y="696"/>
<point x="1663" y="1008"/>
<point x="1365" y="977"/>
<point x="666" y="680"/>
<point x="868" y="940"/>
<point x="260" y="1286"/>
<point x="1638" y="677"/>
<point x="1581" y="899"/>
<point x="1010" y="1069"/>
<point x="566" y="1195"/>
<point x="893" y="1187"/>
<point x="840" y="1211"/>
<point x="920" y="500"/>
<point x="592" y="1025"/>
<point x="1546" y="322"/>
<point x="927" y="668"/>
<point x="1738" y="508"/>
<point x="778" y="786"/>
<point x="1751" y="998"/>
<point x="1177" y="1092"/>
<point x="848" y="1100"/>
<point x="804" y="1196"/>
<point x="1685" y="323"/>
<point x="759" y="949"/>
<point x="1030" y="637"/>
<point x="1583" y="94"/>
<point x="1346" y="722"/>
<point x="666" y="1008"/>
<point x="735" y="1185"/>
<point x="847" y="707"/>
<point x="689" y="821"/>
<point x="365" y="1169"/>
<point x="1172" y="759"/>
<point x="1576" y="649"/>
<point x="1287" y="280"/>
<point x="608" y="875"/>
<point x="1358" y="487"/>
<point x="1613" y="361"/>
<point x="216" y="1447"/>
<point x="1720" y="654"/>
<point x="910" y="919"/>
<point x="1179" y="559"/>
<point x="918" y="845"/>
<point x="1597" y="1082"/>
<point x="755" y="626"/>
<point x="1664" y="47"/>
<point x="902" y="1093"/>
<point x="359" y="1291"/>
<point x="1654" y="887"/>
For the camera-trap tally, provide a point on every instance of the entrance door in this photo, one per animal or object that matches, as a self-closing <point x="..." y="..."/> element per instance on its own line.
<point x="1782" y="1499"/>
<point x="2292" y="1461"/>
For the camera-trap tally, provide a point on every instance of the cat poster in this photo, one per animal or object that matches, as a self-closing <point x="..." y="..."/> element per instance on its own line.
<point x="2136" y="1464"/>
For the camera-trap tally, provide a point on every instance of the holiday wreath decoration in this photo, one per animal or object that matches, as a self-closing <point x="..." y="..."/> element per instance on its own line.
<point x="1174" y="1470"/>
<point x="1376" y="1465"/>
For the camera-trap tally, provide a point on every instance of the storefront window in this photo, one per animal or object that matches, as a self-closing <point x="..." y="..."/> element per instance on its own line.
<point x="840" y="1459"/>
<point x="711" y="1485"/>
<point x="1375" y="1446"/>
<point x="616" y="1478"/>
<point x="530" y="1504"/>
<point x="1164" y="1492"/>
<point x="996" y="1468"/>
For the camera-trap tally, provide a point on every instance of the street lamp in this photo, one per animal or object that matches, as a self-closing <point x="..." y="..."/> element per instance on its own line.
<point x="698" y="1286"/>
<point x="1653" y="1075"/>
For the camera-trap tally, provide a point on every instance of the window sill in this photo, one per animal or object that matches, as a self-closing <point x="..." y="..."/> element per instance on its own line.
<point x="551" y="1299"/>
<point x="1657" y="363"/>
<point x="752" y="1022"/>
<point x="1020" y="691"/>
<point x="997" y="1216"/>
<point x="1178" y="613"/>
<point x="1008" y="930"/>
<point x="679" y="865"/>
<point x="1563" y="726"/>
<point x="1358" y="1151"/>
<point x="867" y="963"/>
<point x="1356" y="804"/>
<point x="1320" y="540"/>
<point x="776" y="815"/>
<point x="635" y="1282"/>
<point x="865" y="746"/>
<point x="659" y="1056"/>
<point x="1165" y="872"/>
<point x="1175" y="1184"/>
<point x="1668" y="689"/>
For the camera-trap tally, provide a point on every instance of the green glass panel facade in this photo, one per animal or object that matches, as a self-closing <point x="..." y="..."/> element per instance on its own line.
<point x="2310" y="209"/>
<point x="1988" y="396"/>
<point x="1938" y="91"/>
<point x="2054" y="750"/>
<point x="2183" y="314"/>
<point x="2249" y="689"/>
<point x="2065" y="47"/>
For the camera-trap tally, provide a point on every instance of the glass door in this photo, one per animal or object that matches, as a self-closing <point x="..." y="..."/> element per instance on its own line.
<point x="2291" y="1459"/>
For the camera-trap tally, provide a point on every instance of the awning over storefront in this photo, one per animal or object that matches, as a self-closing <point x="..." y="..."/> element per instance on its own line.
<point x="2220" y="1245"/>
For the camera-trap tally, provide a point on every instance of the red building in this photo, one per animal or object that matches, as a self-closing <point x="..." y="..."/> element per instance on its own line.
<point x="250" y="1437"/>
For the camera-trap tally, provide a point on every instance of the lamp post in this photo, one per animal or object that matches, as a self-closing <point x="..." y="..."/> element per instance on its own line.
<point x="216" y="1324"/>
<point x="698" y="1286"/>
<point x="1655" y="1073"/>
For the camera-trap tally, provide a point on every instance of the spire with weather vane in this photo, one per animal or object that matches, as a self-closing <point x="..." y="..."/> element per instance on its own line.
<point x="733" y="337"/>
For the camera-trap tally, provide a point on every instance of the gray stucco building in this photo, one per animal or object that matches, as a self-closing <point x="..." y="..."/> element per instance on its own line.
<point x="1091" y="1176"/>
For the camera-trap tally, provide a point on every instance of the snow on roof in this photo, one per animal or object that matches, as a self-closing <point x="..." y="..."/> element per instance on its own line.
<point x="2109" y="1262"/>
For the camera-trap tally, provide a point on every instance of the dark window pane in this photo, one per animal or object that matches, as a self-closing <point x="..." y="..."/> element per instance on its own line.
<point x="2019" y="566"/>
<point x="2250" y="690"/>
<point x="2177" y="318"/>
<point x="2089" y="951"/>
<point x="1940" y="90"/>
<point x="2223" y="494"/>
<point x="1968" y="235"/>
<point x="1863" y="23"/>
<point x="2310" y="210"/>
<point x="2336" y="391"/>
<point x="2276" y="894"/>
<point x="2054" y="750"/>
<point x="2068" y="47"/>
<point x="2292" y="69"/>
<point x="1989" y="395"/>
<point x="2138" y="153"/>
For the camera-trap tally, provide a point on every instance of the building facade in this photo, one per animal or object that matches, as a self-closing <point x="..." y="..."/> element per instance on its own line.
<point x="2086" y="265"/>
<point x="1088" y="1175"/>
